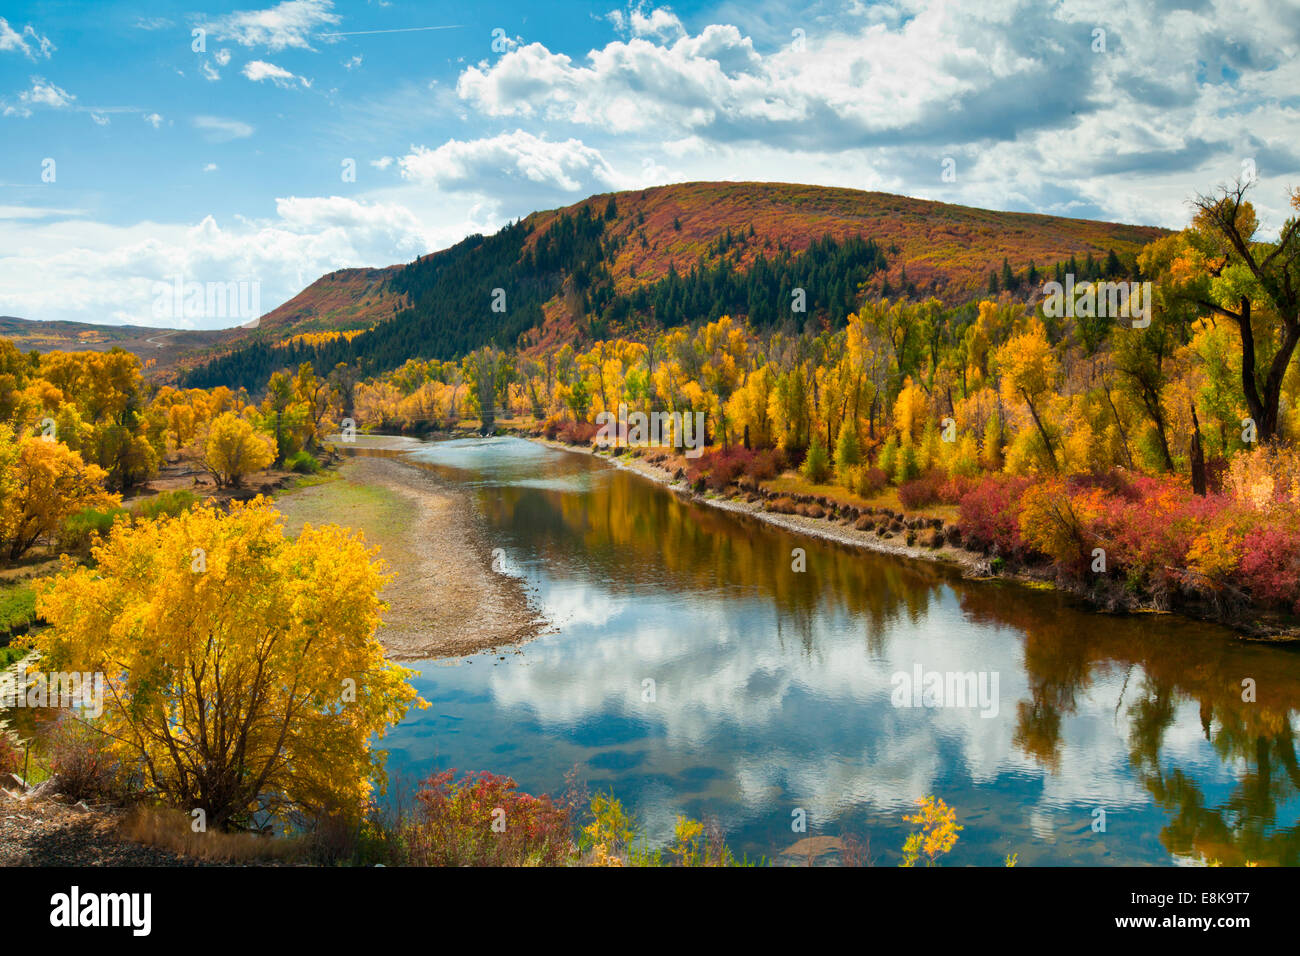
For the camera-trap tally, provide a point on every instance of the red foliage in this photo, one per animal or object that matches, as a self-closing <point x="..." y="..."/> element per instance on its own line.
<point x="955" y="487"/>
<point x="483" y="820"/>
<point x="577" y="433"/>
<point x="10" y="757"/>
<point x="1147" y="536"/>
<point x="1270" y="564"/>
<point x="873" y="482"/>
<point x="722" y="467"/>
<point x="989" y="514"/>
<point x="919" y="493"/>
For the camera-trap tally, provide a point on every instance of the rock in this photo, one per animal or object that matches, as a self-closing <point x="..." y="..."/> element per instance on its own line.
<point x="43" y="790"/>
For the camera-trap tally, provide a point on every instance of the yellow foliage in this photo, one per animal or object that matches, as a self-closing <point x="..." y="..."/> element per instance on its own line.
<point x="241" y="667"/>
<point x="938" y="833"/>
<point x="233" y="449"/>
<point x="43" y="483"/>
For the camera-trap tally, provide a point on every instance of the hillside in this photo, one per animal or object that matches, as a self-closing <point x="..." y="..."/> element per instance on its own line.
<point x="945" y="249"/>
<point x="658" y="257"/>
<point x="164" y="347"/>
<point x="341" y="300"/>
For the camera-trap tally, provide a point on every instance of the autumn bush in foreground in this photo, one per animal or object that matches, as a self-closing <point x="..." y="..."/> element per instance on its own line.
<point x="244" y="675"/>
<point x="484" y="820"/>
<point x="10" y="756"/>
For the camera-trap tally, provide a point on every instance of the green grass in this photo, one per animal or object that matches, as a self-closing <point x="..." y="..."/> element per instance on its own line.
<point x="339" y="500"/>
<point x="10" y="655"/>
<point x="17" y="610"/>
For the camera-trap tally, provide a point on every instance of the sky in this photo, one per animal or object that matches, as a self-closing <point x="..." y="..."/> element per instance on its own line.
<point x="149" y="142"/>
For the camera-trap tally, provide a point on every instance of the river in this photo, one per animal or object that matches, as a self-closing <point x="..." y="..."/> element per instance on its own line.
<point x="692" y="671"/>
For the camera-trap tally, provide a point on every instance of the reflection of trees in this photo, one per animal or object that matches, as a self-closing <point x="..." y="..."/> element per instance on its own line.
<point x="1243" y="826"/>
<point x="638" y="537"/>
<point x="1178" y="660"/>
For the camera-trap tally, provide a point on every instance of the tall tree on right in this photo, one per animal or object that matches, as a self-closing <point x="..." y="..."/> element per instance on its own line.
<point x="1218" y="265"/>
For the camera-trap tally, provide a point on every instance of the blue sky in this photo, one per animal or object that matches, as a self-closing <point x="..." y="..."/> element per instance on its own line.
<point x="226" y="162"/>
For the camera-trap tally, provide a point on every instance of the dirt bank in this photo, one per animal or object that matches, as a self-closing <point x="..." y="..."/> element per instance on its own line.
<point x="446" y="601"/>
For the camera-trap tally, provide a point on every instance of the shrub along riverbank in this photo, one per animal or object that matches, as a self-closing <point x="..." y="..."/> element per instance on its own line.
<point x="1121" y="540"/>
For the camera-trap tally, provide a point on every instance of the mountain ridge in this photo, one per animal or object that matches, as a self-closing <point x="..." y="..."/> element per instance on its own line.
<point x="926" y="247"/>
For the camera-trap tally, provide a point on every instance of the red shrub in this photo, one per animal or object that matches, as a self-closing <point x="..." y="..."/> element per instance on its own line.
<point x="989" y="514"/>
<point x="919" y="493"/>
<point x="10" y="756"/>
<point x="724" y="466"/>
<point x="1148" y="537"/>
<point x="765" y="464"/>
<point x="483" y="820"/>
<point x="872" y="482"/>
<point x="577" y="433"/>
<point x="1270" y="563"/>
<point x="955" y="487"/>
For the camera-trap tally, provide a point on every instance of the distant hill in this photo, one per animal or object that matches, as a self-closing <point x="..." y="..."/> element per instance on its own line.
<point x="165" y="347"/>
<point x="661" y="256"/>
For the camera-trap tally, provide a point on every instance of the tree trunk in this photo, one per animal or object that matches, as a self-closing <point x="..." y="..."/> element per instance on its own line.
<point x="1199" y="484"/>
<point x="1051" y="452"/>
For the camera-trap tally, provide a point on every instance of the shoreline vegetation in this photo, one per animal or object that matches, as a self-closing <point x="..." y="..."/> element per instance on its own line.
<point x="931" y="535"/>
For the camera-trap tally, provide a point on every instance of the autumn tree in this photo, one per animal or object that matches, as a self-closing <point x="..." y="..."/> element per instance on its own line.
<point x="243" y="670"/>
<point x="43" y="483"/>
<point x="1029" y="367"/>
<point x="233" y="449"/>
<point x="1223" y="267"/>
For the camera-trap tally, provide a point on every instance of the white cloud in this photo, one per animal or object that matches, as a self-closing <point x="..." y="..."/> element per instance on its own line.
<point x="352" y="63"/>
<point x="661" y="22"/>
<point x="210" y="167"/>
<point x="503" y="162"/>
<point x="153" y="119"/>
<point x="108" y="272"/>
<point x="45" y="93"/>
<point x="217" y="129"/>
<point x="222" y="57"/>
<point x="38" y="212"/>
<point x="1014" y="91"/>
<point x="34" y="45"/>
<point x="209" y="71"/>
<point x="259" y="70"/>
<point x="383" y="162"/>
<point x="286" y="25"/>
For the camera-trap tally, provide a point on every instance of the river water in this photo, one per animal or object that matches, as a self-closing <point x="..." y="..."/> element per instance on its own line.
<point x="692" y="672"/>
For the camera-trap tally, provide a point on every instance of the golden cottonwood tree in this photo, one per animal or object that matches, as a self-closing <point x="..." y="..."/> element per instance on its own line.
<point x="243" y="669"/>
<point x="234" y="449"/>
<point x="43" y="483"/>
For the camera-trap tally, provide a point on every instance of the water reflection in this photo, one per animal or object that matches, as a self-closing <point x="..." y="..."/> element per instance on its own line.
<point x="772" y="688"/>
